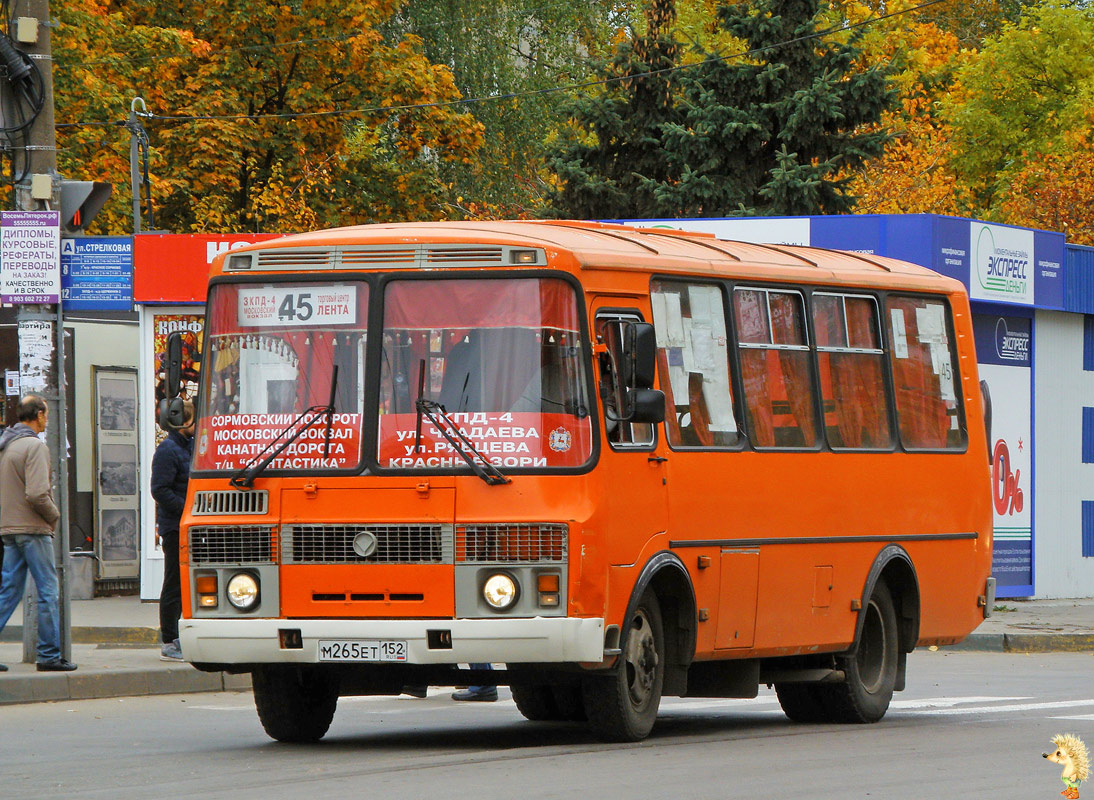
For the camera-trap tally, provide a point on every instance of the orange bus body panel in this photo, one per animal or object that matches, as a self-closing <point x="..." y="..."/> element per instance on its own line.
<point x="739" y="521"/>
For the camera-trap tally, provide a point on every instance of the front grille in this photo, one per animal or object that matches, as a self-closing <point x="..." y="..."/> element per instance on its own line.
<point x="256" y="501"/>
<point x="530" y="542"/>
<point x="232" y="544"/>
<point x="384" y="544"/>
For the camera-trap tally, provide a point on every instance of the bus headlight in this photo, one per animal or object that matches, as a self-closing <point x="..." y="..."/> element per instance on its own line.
<point x="242" y="591"/>
<point x="500" y="591"/>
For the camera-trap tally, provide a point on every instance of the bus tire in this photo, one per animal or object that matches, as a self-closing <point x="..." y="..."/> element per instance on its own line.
<point x="534" y="701"/>
<point x="803" y="702"/>
<point x="622" y="705"/>
<point x="549" y="703"/>
<point x="295" y="704"/>
<point x="871" y="668"/>
<point x="569" y="702"/>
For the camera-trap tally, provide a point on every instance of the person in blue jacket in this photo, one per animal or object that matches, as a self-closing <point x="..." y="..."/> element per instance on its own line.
<point x="170" y="476"/>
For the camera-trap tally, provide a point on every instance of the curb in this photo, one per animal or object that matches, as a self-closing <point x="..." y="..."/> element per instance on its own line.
<point x="97" y="684"/>
<point x="95" y="635"/>
<point x="1026" y="643"/>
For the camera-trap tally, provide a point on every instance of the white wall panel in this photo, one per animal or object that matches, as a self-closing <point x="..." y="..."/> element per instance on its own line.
<point x="1061" y="480"/>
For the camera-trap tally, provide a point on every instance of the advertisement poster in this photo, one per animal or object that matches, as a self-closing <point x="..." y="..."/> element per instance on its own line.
<point x="35" y="355"/>
<point x="30" y="261"/>
<point x="1004" y="347"/>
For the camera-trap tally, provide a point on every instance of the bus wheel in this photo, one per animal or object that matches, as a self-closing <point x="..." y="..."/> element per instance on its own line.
<point x="570" y="703"/>
<point x="871" y="669"/>
<point x="535" y="701"/>
<point x="802" y="702"/>
<point x="545" y="703"/>
<point x="622" y="706"/>
<point x="295" y="704"/>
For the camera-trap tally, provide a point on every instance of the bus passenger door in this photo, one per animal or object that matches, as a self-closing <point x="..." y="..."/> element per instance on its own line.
<point x="630" y="462"/>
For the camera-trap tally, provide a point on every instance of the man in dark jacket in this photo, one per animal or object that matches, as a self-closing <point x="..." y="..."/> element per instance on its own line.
<point x="27" y="518"/>
<point x="170" y="475"/>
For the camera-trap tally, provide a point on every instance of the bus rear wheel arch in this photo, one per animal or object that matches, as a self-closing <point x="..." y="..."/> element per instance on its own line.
<point x="869" y="670"/>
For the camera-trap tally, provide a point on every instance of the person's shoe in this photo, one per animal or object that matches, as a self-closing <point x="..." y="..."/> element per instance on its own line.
<point x="3" y="667"/>
<point x="56" y="665"/>
<point x="171" y="651"/>
<point x="482" y="695"/>
<point x="416" y="691"/>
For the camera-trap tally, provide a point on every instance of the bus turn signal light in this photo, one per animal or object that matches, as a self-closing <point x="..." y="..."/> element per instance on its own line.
<point x="206" y="588"/>
<point x="547" y="584"/>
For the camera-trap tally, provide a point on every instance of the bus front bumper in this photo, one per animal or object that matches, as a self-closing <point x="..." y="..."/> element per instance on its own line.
<point x="513" y="641"/>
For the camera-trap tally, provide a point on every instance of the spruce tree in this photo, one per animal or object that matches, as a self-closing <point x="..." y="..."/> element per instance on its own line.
<point x="769" y="133"/>
<point x="614" y="166"/>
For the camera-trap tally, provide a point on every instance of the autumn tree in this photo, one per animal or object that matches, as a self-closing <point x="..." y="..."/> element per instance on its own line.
<point x="1053" y="192"/>
<point x="1026" y="95"/>
<point x="94" y="87"/>
<point x="914" y="174"/>
<point x="254" y="109"/>
<point x="511" y="57"/>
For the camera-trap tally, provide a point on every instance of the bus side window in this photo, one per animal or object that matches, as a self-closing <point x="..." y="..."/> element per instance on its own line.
<point x="693" y="363"/>
<point x="775" y="370"/>
<point x="612" y="390"/>
<point x="925" y="374"/>
<point x="852" y="371"/>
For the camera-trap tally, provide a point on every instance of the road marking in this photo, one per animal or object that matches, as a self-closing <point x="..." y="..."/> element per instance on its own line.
<point x="949" y="702"/>
<point x="1079" y="717"/>
<point x="1009" y="708"/>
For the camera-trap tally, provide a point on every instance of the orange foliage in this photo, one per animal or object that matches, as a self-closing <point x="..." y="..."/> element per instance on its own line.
<point x="273" y="117"/>
<point x="1053" y="192"/>
<point x="913" y="175"/>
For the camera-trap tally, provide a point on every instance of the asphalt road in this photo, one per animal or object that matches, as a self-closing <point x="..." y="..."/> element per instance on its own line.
<point x="969" y="725"/>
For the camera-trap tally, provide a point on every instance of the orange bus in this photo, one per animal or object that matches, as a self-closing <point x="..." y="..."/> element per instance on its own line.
<point x="622" y="463"/>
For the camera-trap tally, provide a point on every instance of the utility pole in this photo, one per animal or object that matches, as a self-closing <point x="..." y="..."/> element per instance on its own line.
<point x="41" y="161"/>
<point x="137" y="139"/>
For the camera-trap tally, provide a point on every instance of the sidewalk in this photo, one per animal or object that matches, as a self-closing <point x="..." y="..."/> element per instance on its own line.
<point x="115" y="642"/>
<point x="116" y="645"/>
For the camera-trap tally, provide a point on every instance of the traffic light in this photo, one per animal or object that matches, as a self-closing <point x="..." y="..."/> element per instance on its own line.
<point x="80" y="202"/>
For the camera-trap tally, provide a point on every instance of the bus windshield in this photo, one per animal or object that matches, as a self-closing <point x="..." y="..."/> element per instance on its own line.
<point x="271" y="354"/>
<point x="502" y="356"/>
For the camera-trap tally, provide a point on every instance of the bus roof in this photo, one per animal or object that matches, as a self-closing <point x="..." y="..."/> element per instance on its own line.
<point x="610" y="246"/>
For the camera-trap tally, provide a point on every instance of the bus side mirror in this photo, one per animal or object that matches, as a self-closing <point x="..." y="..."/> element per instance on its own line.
<point x="646" y="405"/>
<point x="172" y="414"/>
<point x="174" y="364"/>
<point x="639" y="355"/>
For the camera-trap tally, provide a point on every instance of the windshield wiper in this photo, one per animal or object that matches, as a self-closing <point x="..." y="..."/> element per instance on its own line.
<point x="460" y="443"/>
<point x="245" y="476"/>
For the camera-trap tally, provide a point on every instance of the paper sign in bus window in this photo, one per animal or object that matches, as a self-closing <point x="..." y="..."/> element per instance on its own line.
<point x="900" y="336"/>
